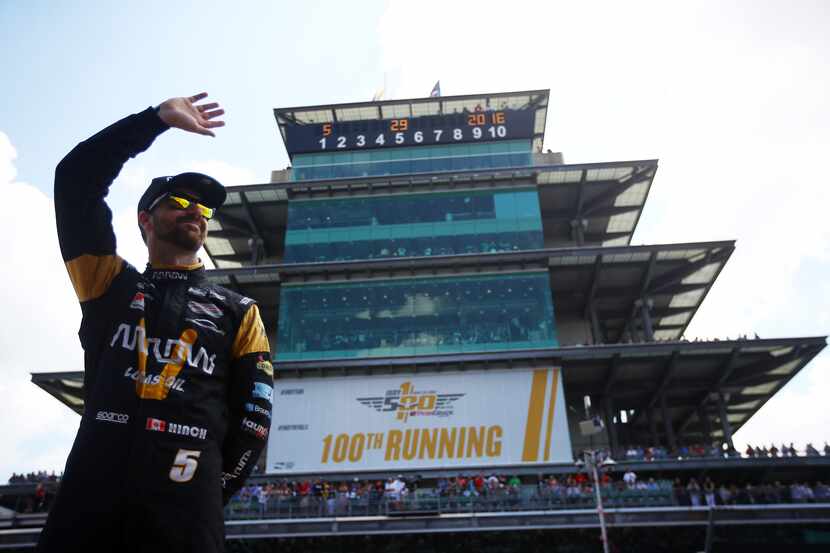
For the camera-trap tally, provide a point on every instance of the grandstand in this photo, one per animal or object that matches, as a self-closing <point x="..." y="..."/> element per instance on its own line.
<point x="445" y="298"/>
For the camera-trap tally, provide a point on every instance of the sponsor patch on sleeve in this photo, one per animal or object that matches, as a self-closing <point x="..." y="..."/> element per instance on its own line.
<point x="265" y="366"/>
<point x="258" y="430"/>
<point x="254" y="408"/>
<point x="138" y="301"/>
<point x="263" y="391"/>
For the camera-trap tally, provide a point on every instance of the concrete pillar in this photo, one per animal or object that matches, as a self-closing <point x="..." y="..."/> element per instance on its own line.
<point x="628" y="335"/>
<point x="671" y="442"/>
<point x="578" y="227"/>
<point x="652" y="426"/>
<point x="257" y="249"/>
<point x="596" y="329"/>
<point x="610" y="426"/>
<point x="724" y="421"/>
<point x="706" y="425"/>
<point x="645" y="316"/>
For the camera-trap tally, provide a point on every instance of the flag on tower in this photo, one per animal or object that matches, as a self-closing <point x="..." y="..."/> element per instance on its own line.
<point x="436" y="90"/>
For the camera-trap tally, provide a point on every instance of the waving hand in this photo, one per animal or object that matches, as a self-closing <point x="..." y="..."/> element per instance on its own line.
<point x="183" y="113"/>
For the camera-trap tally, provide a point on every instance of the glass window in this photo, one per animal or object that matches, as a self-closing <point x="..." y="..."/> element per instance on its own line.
<point x="416" y="316"/>
<point x="417" y="225"/>
<point x="419" y="159"/>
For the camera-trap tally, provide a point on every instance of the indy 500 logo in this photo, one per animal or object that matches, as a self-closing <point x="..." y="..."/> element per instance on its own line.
<point x="407" y="402"/>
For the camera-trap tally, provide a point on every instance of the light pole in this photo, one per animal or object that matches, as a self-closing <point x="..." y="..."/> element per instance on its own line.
<point x="588" y="428"/>
<point x="591" y="462"/>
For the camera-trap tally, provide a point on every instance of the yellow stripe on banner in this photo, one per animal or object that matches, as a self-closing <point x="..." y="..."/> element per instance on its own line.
<point x="550" y="412"/>
<point x="535" y="407"/>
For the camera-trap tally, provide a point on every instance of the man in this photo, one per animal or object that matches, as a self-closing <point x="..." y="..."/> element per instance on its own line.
<point x="630" y="478"/>
<point x="178" y="379"/>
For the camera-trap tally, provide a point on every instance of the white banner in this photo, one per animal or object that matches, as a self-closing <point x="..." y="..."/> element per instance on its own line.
<point x="420" y="421"/>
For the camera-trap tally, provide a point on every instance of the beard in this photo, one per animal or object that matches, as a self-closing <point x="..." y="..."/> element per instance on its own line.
<point x="179" y="236"/>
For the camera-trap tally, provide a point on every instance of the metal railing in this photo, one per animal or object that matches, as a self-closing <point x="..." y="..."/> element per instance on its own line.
<point x="523" y="498"/>
<point x="428" y="502"/>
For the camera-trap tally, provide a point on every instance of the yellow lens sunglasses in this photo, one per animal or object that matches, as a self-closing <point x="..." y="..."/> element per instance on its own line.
<point x="181" y="203"/>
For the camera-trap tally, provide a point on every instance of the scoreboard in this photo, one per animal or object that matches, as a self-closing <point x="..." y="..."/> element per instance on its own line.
<point x="428" y="130"/>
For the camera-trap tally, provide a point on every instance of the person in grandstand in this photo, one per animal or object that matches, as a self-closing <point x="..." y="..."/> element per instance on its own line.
<point x="178" y="380"/>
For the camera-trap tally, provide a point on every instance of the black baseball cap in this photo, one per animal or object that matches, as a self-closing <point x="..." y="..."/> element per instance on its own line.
<point x="211" y="192"/>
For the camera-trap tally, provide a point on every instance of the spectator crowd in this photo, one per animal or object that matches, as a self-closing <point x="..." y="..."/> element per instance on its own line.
<point x="495" y="492"/>
<point x="320" y="497"/>
<point x="785" y="451"/>
<point x="33" y="477"/>
<point x="706" y="493"/>
<point x="501" y="491"/>
<point x="658" y="453"/>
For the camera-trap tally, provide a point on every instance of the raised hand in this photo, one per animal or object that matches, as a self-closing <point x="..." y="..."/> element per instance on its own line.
<point x="183" y="113"/>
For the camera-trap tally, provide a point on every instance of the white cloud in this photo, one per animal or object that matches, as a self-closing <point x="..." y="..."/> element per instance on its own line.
<point x="132" y="180"/>
<point x="8" y="154"/>
<point x="225" y="173"/>
<point x="40" y="318"/>
<point x="731" y="97"/>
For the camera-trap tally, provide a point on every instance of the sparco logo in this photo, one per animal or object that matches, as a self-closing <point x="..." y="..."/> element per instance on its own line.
<point x="110" y="416"/>
<point x="129" y="336"/>
<point x="406" y="402"/>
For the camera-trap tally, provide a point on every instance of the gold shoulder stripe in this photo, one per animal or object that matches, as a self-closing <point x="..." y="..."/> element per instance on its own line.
<point x="91" y="275"/>
<point x="250" y="338"/>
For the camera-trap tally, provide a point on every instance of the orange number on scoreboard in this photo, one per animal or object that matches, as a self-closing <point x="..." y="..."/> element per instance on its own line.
<point x="498" y="118"/>
<point x="399" y="124"/>
<point x="475" y="119"/>
<point x="326" y="129"/>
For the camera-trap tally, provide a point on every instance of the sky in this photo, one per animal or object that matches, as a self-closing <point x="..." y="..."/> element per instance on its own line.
<point x="730" y="96"/>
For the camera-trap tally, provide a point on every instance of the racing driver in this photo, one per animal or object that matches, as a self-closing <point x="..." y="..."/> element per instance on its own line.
<point x="178" y="379"/>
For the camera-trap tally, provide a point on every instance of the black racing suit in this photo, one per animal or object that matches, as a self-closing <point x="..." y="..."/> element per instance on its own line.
<point x="177" y="378"/>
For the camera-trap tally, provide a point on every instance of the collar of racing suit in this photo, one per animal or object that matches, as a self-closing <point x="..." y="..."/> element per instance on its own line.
<point x="196" y="271"/>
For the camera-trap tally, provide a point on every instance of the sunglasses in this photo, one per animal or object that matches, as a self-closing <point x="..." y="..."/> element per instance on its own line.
<point x="182" y="203"/>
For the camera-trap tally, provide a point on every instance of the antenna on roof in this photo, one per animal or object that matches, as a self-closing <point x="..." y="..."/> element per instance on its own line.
<point x="381" y="91"/>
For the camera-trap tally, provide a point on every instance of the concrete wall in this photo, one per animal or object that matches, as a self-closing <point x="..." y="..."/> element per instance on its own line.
<point x="283" y="175"/>
<point x="573" y="330"/>
<point x="548" y="158"/>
